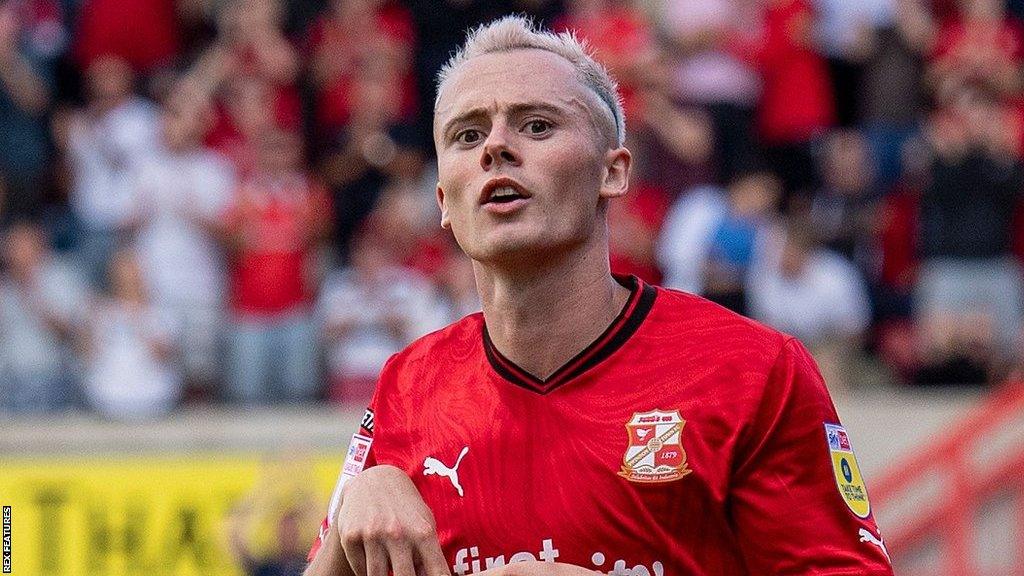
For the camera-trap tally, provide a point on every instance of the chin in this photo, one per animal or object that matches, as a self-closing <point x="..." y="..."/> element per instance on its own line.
<point x="520" y="247"/>
<point x="505" y="251"/>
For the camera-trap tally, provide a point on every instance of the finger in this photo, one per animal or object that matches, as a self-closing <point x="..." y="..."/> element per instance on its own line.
<point x="431" y="559"/>
<point x="376" y="559"/>
<point x="401" y="559"/>
<point x="355" y="555"/>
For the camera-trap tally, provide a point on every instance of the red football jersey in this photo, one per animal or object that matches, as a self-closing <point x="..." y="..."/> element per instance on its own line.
<point x="686" y="440"/>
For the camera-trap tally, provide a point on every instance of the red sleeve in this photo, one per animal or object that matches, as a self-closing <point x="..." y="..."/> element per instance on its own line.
<point x="356" y="460"/>
<point x="795" y="464"/>
<point x="358" y="457"/>
<point x="324" y="527"/>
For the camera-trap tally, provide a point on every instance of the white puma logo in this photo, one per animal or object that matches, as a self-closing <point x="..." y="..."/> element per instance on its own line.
<point x="434" y="466"/>
<point x="866" y="536"/>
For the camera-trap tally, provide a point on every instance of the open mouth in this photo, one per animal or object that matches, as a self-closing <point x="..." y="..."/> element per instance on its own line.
<point x="504" y="195"/>
<point x="502" y="190"/>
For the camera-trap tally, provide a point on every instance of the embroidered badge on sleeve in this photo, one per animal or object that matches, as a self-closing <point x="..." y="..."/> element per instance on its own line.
<point x="847" y="472"/>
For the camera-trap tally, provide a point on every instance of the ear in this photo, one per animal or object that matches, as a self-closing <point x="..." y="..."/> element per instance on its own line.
<point x="445" y="221"/>
<point x="617" y="164"/>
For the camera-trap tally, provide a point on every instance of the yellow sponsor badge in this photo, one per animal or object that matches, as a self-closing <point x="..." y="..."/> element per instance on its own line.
<point x="847" y="472"/>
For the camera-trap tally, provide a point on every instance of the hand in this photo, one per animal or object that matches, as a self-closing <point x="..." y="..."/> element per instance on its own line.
<point x="384" y="522"/>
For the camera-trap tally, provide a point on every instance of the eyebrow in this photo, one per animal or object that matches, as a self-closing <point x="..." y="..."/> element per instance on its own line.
<point x="513" y="110"/>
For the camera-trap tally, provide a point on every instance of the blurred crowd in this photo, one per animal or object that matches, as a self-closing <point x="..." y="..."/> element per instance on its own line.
<point x="232" y="201"/>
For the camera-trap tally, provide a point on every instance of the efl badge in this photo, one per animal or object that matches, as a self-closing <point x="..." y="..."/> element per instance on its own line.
<point x="847" y="473"/>
<point x="655" y="452"/>
<point x="355" y="461"/>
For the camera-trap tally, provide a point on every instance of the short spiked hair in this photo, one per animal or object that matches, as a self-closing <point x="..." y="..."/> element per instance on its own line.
<point x="520" y="33"/>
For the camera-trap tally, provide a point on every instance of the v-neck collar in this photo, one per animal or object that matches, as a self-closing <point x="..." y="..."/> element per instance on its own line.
<point x="641" y="299"/>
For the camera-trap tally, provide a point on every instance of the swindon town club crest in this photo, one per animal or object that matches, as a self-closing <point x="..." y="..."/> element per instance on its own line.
<point x="655" y="452"/>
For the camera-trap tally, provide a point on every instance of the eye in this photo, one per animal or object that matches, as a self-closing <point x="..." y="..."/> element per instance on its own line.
<point x="468" y="136"/>
<point x="537" y="127"/>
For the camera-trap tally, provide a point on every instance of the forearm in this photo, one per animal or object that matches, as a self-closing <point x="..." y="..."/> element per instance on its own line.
<point x="330" y="559"/>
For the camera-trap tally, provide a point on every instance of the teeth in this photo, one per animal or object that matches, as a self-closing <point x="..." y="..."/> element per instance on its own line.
<point x="504" y="193"/>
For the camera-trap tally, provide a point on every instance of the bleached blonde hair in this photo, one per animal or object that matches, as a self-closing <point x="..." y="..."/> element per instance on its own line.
<point x="520" y="33"/>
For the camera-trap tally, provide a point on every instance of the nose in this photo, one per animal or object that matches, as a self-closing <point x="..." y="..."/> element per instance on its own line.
<point x="498" y="149"/>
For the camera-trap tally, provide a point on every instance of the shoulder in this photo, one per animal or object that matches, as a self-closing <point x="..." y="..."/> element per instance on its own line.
<point x="731" y="356"/>
<point x="753" y="364"/>
<point x="734" y="374"/>
<point x="423" y="374"/>
<point x="694" y="322"/>
<point x="437" y="351"/>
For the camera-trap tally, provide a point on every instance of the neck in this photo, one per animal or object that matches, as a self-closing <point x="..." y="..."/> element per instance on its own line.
<point x="541" y="317"/>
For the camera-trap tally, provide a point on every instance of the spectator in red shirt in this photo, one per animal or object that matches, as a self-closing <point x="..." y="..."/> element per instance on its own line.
<point x="143" y="32"/>
<point x="276" y="221"/>
<point x="620" y="38"/>
<point x="981" y="44"/>
<point x="247" y="109"/>
<point x="252" y="72"/>
<point x="796" y="100"/>
<point x="250" y="33"/>
<point x="357" y="34"/>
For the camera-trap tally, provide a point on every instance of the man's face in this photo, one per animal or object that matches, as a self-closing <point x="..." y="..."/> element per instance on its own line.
<point x="524" y="157"/>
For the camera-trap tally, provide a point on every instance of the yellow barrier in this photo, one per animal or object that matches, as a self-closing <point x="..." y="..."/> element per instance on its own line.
<point x="154" y="516"/>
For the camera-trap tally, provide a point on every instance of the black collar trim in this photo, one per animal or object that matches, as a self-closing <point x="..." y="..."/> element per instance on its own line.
<point x="628" y="321"/>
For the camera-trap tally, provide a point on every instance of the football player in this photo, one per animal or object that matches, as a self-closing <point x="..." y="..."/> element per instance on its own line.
<point x="583" y="421"/>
